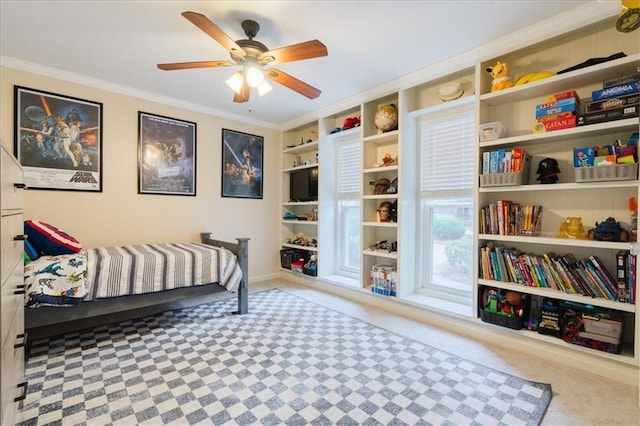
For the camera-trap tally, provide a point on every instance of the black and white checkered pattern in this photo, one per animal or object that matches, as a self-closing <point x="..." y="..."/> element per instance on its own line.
<point x="289" y="361"/>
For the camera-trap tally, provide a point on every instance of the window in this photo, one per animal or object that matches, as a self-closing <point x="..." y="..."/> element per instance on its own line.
<point x="348" y="208"/>
<point x="446" y="205"/>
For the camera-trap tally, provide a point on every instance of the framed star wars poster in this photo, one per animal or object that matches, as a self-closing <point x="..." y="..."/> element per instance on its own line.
<point x="242" y="155"/>
<point x="166" y="155"/>
<point x="58" y="140"/>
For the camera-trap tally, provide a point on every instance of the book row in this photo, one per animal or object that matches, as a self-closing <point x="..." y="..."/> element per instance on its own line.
<point x="503" y="161"/>
<point x="508" y="218"/>
<point x="564" y="273"/>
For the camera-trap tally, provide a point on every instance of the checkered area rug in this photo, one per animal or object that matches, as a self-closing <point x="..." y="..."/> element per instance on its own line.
<point x="289" y="361"/>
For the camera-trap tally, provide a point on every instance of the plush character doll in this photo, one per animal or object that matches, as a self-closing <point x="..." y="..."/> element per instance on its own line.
<point x="500" y="78"/>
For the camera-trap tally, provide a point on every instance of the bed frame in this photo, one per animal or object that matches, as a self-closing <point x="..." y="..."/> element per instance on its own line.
<point x="51" y="321"/>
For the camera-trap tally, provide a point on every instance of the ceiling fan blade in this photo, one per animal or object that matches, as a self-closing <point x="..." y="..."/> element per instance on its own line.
<point x="243" y="96"/>
<point x="292" y="83"/>
<point x="295" y="52"/>
<point x="188" y="65"/>
<point x="213" y="31"/>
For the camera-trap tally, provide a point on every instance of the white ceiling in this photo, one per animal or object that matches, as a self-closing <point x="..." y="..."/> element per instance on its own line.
<point x="117" y="44"/>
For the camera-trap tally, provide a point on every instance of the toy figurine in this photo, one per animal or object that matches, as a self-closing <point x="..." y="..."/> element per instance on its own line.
<point x="609" y="230"/>
<point x="572" y="228"/>
<point x="389" y="246"/>
<point x="500" y="78"/>
<point x="384" y="211"/>
<point x="302" y="240"/>
<point x="548" y="171"/>
<point x="387" y="160"/>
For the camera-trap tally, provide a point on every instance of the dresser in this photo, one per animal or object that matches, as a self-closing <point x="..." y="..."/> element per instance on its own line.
<point x="12" y="335"/>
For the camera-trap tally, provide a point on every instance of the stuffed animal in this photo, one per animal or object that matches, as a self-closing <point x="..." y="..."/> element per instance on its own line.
<point x="387" y="160"/>
<point x="608" y="230"/>
<point x="572" y="228"/>
<point x="533" y="76"/>
<point x="500" y="78"/>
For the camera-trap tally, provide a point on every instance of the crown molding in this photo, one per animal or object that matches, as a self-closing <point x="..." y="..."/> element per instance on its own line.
<point x="20" y="65"/>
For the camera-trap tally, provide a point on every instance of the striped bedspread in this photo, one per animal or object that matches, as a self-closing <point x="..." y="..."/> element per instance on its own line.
<point x="147" y="268"/>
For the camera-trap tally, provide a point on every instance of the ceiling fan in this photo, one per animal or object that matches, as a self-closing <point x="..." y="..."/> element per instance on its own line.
<point x="253" y="56"/>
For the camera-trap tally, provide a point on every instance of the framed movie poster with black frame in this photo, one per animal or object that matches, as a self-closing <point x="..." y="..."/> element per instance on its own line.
<point x="242" y="162"/>
<point x="166" y="155"/>
<point x="58" y="140"/>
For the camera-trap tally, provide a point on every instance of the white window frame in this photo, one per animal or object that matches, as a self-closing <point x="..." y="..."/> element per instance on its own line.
<point x="435" y="192"/>
<point x="348" y="192"/>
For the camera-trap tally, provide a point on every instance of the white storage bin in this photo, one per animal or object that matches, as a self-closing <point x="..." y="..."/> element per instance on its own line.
<point x="606" y="173"/>
<point x="492" y="131"/>
<point x="508" y="179"/>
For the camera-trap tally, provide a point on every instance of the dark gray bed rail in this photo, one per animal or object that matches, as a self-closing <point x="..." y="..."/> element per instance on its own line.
<point x="241" y="249"/>
<point x="52" y="321"/>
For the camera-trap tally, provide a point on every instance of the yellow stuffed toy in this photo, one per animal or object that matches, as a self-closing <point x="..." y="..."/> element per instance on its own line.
<point x="500" y="78"/>
<point x="533" y="76"/>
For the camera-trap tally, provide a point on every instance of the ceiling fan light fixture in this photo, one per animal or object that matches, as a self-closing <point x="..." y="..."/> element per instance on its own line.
<point x="253" y="74"/>
<point x="235" y="82"/>
<point x="264" y="88"/>
<point x="252" y="56"/>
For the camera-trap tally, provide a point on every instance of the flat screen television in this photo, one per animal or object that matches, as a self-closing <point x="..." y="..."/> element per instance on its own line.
<point x="304" y="185"/>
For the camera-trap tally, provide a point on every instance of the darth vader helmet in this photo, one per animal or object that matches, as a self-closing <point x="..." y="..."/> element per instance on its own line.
<point x="548" y="170"/>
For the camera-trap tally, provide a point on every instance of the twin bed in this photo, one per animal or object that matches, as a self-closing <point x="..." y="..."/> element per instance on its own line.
<point x="99" y="286"/>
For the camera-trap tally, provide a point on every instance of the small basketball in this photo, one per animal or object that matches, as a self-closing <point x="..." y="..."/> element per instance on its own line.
<point x="513" y="298"/>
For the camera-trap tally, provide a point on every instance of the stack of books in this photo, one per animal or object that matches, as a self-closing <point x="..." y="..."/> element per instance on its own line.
<point x="508" y="218"/>
<point x="503" y="161"/>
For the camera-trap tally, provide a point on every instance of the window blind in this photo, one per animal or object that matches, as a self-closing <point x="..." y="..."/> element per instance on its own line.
<point x="348" y="161"/>
<point x="447" y="152"/>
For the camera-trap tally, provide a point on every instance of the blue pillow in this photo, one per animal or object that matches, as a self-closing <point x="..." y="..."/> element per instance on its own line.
<point x="31" y="251"/>
<point x="49" y="239"/>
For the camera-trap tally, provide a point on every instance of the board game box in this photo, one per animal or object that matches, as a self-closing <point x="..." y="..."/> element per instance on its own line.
<point x="612" y="103"/>
<point x="610" y="115"/>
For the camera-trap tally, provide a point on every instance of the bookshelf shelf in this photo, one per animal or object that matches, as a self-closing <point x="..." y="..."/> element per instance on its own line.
<point x="590" y="186"/>
<point x="295" y="246"/>
<point x="626" y="357"/>
<point x="380" y="253"/>
<point x="565" y="242"/>
<point x="555" y="294"/>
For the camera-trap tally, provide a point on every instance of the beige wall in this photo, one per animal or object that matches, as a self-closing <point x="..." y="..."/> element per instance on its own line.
<point x="119" y="215"/>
